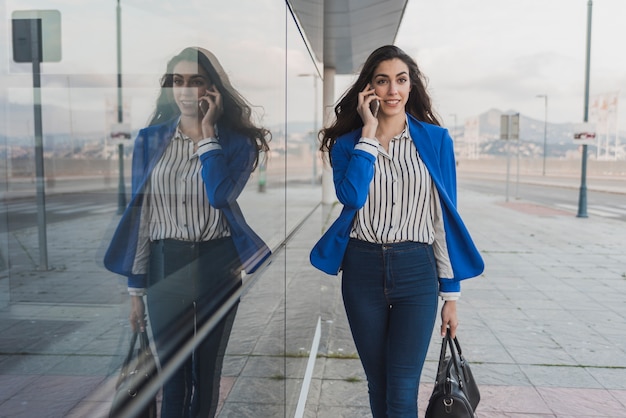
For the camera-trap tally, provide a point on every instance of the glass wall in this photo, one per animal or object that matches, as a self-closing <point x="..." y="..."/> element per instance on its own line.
<point x="66" y="170"/>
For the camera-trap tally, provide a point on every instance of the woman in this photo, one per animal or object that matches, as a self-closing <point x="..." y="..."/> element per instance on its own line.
<point x="399" y="238"/>
<point x="183" y="240"/>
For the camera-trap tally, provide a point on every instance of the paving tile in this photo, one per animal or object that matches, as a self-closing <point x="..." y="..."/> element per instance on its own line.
<point x="252" y="409"/>
<point x="233" y="364"/>
<point x="103" y="392"/>
<point x="264" y="366"/>
<point x="340" y="393"/>
<point x="556" y="376"/>
<point x="90" y="409"/>
<point x="342" y="369"/>
<point x="598" y="355"/>
<point x="540" y="354"/>
<point x="262" y="390"/>
<point x="620" y="395"/>
<point x="68" y="388"/>
<point x="342" y="412"/>
<point x="12" y="384"/>
<point x="29" y="364"/>
<point x="16" y="345"/>
<point x="511" y="399"/>
<point x="582" y="402"/>
<point x="82" y="366"/>
<point x="480" y="353"/>
<point x="53" y="408"/>
<point x="499" y="374"/>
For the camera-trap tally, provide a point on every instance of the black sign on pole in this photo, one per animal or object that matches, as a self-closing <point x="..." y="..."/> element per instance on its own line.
<point x="23" y="43"/>
<point x="27" y="47"/>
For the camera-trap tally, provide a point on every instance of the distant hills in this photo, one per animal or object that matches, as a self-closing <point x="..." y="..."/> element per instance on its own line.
<point x="559" y="137"/>
<point x="16" y="137"/>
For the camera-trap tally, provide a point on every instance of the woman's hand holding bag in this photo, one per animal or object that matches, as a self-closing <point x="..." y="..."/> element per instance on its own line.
<point x="455" y="394"/>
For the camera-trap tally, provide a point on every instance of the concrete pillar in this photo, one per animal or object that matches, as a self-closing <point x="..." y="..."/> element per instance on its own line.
<point x="328" y="189"/>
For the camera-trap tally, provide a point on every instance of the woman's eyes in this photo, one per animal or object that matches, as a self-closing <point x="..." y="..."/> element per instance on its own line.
<point x="194" y="82"/>
<point x="382" y="81"/>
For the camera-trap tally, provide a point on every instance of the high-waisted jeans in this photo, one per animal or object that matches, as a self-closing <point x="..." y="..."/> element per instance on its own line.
<point x="188" y="282"/>
<point x="390" y="296"/>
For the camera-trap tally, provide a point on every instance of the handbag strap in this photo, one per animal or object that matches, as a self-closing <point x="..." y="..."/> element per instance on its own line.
<point x="454" y="355"/>
<point x="127" y="360"/>
<point x="458" y="347"/>
<point x="144" y="342"/>
<point x="131" y="350"/>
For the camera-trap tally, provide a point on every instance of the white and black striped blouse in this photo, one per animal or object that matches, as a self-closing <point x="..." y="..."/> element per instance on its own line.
<point x="176" y="205"/>
<point x="402" y="203"/>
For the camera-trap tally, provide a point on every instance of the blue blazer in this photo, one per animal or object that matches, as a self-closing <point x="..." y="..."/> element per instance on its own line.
<point x="353" y="171"/>
<point x="225" y="173"/>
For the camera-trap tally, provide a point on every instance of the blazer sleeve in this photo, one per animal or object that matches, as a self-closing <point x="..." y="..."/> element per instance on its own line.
<point x="226" y="170"/>
<point x="353" y="171"/>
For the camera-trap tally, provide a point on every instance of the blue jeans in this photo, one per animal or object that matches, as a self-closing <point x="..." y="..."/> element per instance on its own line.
<point x="390" y="296"/>
<point x="188" y="283"/>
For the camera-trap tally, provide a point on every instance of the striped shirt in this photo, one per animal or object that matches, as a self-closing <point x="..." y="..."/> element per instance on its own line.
<point x="402" y="203"/>
<point x="176" y="205"/>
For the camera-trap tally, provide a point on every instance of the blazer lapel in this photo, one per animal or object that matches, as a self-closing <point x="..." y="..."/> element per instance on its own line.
<point x="425" y="147"/>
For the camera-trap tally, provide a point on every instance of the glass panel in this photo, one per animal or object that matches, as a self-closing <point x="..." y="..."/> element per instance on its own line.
<point x="63" y="316"/>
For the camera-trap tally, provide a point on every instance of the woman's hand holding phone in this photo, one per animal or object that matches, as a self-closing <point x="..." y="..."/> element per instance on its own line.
<point x="367" y="108"/>
<point x="211" y="109"/>
<point x="203" y="106"/>
<point x="374" y="106"/>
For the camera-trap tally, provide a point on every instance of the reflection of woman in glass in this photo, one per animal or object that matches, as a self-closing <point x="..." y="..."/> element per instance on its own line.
<point x="183" y="240"/>
<point x="399" y="238"/>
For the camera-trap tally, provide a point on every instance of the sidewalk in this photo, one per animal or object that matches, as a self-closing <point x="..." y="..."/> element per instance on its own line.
<point x="543" y="327"/>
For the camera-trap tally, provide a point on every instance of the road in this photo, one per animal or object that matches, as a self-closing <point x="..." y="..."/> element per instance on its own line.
<point x="608" y="205"/>
<point x="22" y="212"/>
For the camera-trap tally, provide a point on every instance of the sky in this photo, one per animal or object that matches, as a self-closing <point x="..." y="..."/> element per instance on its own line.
<point x="483" y="54"/>
<point x="477" y="55"/>
<point x="249" y="41"/>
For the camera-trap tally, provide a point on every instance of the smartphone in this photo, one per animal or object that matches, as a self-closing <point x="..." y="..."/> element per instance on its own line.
<point x="204" y="106"/>
<point x="374" y="106"/>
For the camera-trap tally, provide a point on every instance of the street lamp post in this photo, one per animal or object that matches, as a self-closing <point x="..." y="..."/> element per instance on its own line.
<point x="582" y="196"/>
<point x="545" y="132"/>
<point x="121" y="187"/>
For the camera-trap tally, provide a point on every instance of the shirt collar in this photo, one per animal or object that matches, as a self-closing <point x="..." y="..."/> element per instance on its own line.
<point x="402" y="135"/>
<point x="178" y="134"/>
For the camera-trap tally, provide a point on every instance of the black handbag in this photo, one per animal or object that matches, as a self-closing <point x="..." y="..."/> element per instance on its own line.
<point x="455" y="394"/>
<point x="138" y="369"/>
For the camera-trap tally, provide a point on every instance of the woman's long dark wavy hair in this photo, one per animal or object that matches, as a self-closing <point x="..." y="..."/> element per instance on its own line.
<point x="346" y="117"/>
<point x="237" y="114"/>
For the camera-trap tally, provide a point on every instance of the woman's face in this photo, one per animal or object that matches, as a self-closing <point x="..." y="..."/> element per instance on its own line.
<point x="189" y="83"/>
<point x="392" y="84"/>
